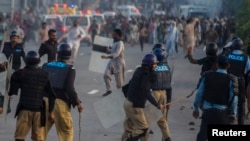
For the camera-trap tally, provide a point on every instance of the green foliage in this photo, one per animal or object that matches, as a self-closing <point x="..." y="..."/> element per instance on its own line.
<point x="230" y="7"/>
<point x="243" y="18"/>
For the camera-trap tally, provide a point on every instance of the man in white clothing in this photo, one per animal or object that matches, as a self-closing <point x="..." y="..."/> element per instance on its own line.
<point x="74" y="37"/>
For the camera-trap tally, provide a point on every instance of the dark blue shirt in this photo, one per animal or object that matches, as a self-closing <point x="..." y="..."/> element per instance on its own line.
<point x="17" y="52"/>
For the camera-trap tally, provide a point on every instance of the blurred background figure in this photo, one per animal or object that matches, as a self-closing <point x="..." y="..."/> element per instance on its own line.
<point x="43" y="33"/>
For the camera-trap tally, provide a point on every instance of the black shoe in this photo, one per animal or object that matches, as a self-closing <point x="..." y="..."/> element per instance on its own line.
<point x="151" y="132"/>
<point x="168" y="139"/>
<point x="107" y="93"/>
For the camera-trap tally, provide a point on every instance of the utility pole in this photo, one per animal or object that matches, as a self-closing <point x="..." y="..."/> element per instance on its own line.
<point x="80" y="4"/>
<point x="37" y="4"/>
<point x="25" y="3"/>
<point x="12" y="9"/>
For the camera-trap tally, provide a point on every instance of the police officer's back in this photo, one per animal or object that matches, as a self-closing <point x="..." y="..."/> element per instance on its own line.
<point x="160" y="87"/>
<point x="62" y="76"/>
<point x="238" y="60"/>
<point x="239" y="65"/>
<point x="166" y="63"/>
<point x="217" y="96"/>
<point x="33" y="83"/>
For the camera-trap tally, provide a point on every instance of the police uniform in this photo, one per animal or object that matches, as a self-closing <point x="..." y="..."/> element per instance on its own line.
<point x="62" y="77"/>
<point x="33" y="82"/>
<point x="17" y="52"/>
<point x="159" y="87"/>
<point x="239" y="64"/>
<point x="135" y="124"/>
<point x="217" y="98"/>
<point x="163" y="82"/>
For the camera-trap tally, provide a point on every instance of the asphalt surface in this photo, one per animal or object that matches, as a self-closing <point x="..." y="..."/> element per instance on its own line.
<point x="90" y="87"/>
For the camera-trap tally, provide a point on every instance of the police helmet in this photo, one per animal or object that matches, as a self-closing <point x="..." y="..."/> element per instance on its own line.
<point x="160" y="46"/>
<point x="32" y="58"/>
<point x="64" y="51"/>
<point x="211" y="49"/>
<point x="13" y="34"/>
<point x="235" y="37"/>
<point x="149" y="59"/>
<point x="159" y="53"/>
<point x="237" y="44"/>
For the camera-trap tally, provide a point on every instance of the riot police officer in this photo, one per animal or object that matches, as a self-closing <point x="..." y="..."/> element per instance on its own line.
<point x="33" y="82"/>
<point x="239" y="65"/>
<point x="162" y="82"/>
<point x="136" y="125"/>
<point x="14" y="48"/>
<point x="159" y="46"/>
<point x="164" y="54"/>
<point x="62" y="76"/>
<point x="228" y="47"/>
<point x="208" y="62"/>
<point x="217" y="96"/>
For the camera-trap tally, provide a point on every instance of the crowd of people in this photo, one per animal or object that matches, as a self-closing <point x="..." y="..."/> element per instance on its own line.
<point x="49" y="90"/>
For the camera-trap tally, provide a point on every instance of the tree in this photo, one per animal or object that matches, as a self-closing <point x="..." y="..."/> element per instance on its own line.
<point x="231" y="7"/>
<point x="243" y="19"/>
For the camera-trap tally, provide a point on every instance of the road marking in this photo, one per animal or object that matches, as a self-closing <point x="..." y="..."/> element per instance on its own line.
<point x="137" y="66"/>
<point x="96" y="80"/>
<point x="81" y="54"/>
<point x="128" y="71"/>
<point x="93" y="91"/>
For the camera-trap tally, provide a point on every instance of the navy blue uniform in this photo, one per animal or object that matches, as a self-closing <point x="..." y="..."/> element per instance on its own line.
<point x="17" y="52"/>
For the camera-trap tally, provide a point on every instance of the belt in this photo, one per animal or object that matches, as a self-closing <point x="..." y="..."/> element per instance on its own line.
<point x="216" y="110"/>
<point x="158" y="89"/>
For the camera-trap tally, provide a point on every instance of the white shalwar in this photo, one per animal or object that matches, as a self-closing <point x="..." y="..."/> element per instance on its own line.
<point x="74" y="38"/>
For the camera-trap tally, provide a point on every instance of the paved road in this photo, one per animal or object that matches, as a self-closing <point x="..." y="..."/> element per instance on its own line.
<point x="90" y="87"/>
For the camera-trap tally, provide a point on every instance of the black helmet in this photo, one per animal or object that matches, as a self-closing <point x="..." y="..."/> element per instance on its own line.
<point x="149" y="59"/>
<point x="64" y="51"/>
<point x="211" y="49"/>
<point x="160" y="46"/>
<point x="14" y="33"/>
<point x="235" y="37"/>
<point x="32" y="58"/>
<point x="159" y="53"/>
<point x="237" y="44"/>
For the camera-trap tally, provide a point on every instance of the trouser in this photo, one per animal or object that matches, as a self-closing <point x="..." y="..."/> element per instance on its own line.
<point x="142" y="40"/>
<point x="2" y="103"/>
<point x="27" y="120"/>
<point x="241" y="103"/>
<point x="135" y="124"/>
<point x="93" y="37"/>
<point x="160" y="97"/>
<point x="241" y="113"/>
<point x="170" y="46"/>
<point x="119" y="77"/>
<point x="151" y="38"/>
<point x="74" y="50"/>
<point x="63" y="121"/>
<point x="211" y="116"/>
